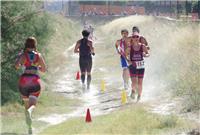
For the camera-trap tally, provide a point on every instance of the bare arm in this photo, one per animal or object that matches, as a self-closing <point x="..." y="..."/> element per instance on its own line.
<point x="116" y="46"/>
<point x="76" y="49"/>
<point x="144" y="41"/>
<point x="128" y="42"/>
<point x="128" y="48"/>
<point x="42" y="64"/>
<point x="127" y="53"/>
<point x="146" y="52"/>
<point x="91" y="47"/>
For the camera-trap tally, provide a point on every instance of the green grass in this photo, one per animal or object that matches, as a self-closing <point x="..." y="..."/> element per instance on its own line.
<point x="134" y="120"/>
<point x="12" y="115"/>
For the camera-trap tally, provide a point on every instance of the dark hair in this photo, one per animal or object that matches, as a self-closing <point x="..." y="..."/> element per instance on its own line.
<point x="31" y="42"/>
<point x="135" y="29"/>
<point x="85" y="33"/>
<point x="124" y="30"/>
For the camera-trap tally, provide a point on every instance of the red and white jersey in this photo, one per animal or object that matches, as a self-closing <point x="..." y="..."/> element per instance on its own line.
<point x="122" y="47"/>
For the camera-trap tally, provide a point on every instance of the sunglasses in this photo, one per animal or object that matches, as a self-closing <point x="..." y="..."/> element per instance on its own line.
<point x="135" y="36"/>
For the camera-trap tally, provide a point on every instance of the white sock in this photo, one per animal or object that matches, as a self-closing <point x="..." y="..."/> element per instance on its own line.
<point x="30" y="109"/>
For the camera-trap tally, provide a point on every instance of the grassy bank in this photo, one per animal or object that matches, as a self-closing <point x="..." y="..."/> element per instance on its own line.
<point x="133" y="120"/>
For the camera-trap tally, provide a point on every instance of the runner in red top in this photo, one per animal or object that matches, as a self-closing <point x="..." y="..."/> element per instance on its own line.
<point x="120" y="47"/>
<point x="29" y="82"/>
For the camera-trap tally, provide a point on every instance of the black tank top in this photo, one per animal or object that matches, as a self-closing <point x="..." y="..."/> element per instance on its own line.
<point x="84" y="48"/>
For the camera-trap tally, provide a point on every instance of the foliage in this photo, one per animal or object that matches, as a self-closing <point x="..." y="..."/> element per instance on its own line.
<point x="20" y="19"/>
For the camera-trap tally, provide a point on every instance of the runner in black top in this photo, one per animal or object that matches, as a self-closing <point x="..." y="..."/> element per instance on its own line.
<point x="85" y="49"/>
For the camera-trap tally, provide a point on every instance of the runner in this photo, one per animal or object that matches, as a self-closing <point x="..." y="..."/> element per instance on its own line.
<point x="85" y="48"/>
<point x="29" y="82"/>
<point x="136" y="31"/>
<point x="91" y="30"/>
<point x="134" y="54"/>
<point x="120" y="46"/>
<point x="85" y="25"/>
<point x="88" y="27"/>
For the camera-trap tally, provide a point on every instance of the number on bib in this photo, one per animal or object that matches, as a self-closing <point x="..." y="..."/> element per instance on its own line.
<point x="139" y="64"/>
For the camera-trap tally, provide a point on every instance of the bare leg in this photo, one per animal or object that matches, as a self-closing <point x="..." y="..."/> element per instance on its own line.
<point x="27" y="116"/>
<point x="83" y="77"/>
<point x="26" y="103"/>
<point x="126" y="77"/>
<point x="134" y="82"/>
<point x="88" y="80"/>
<point x="140" y="82"/>
<point x="32" y="103"/>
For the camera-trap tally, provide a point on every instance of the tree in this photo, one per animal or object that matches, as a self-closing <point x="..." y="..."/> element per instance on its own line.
<point x="19" y="20"/>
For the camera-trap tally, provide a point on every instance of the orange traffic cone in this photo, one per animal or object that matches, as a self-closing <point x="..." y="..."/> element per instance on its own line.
<point x="88" y="116"/>
<point x="78" y="76"/>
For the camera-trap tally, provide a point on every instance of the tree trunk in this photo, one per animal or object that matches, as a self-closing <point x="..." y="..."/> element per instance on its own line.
<point x="199" y="9"/>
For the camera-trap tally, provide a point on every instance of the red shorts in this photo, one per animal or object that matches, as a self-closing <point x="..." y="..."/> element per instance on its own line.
<point x="29" y="85"/>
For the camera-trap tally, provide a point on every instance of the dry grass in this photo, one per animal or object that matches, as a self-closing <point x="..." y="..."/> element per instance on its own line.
<point x="135" y="121"/>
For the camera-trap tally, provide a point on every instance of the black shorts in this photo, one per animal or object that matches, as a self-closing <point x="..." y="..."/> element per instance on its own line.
<point x="85" y="63"/>
<point x="29" y="84"/>
<point x="136" y="72"/>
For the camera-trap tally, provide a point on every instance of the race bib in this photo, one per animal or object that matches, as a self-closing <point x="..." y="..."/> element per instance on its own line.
<point x="140" y="64"/>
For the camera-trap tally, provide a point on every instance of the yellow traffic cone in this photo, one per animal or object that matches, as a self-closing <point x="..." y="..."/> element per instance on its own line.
<point x="124" y="97"/>
<point x="103" y="86"/>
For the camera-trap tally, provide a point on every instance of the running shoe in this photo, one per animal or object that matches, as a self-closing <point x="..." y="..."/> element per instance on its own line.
<point x="88" y="87"/>
<point x="30" y="132"/>
<point x="83" y="86"/>
<point x="138" y="98"/>
<point x="28" y="118"/>
<point x="132" y="95"/>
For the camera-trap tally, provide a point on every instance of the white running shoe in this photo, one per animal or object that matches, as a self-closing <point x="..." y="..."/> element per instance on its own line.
<point x="138" y="98"/>
<point x="88" y="87"/>
<point x="83" y="86"/>
<point x="30" y="110"/>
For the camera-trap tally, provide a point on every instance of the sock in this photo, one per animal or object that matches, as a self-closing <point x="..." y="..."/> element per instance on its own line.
<point x="83" y="78"/>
